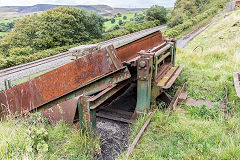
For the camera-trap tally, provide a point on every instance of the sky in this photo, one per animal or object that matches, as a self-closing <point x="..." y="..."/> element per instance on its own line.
<point x="112" y="3"/>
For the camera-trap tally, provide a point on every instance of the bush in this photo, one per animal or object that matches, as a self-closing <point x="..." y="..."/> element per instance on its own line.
<point x="157" y="13"/>
<point x="21" y="51"/>
<point x="55" y="27"/>
<point x="113" y="20"/>
<point x="116" y="27"/>
<point x="120" y="22"/>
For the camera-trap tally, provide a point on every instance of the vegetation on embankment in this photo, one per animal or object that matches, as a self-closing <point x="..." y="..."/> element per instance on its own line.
<point x="200" y="132"/>
<point x="197" y="133"/>
<point x="187" y="14"/>
<point x="34" y="138"/>
<point x="209" y="71"/>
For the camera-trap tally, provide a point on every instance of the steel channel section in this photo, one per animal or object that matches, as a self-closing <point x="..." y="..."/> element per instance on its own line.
<point x="144" y="83"/>
<point x="64" y="111"/>
<point x="43" y="90"/>
<point x="90" y="91"/>
<point x="87" y="105"/>
<point x="130" y="51"/>
<point x="147" y="82"/>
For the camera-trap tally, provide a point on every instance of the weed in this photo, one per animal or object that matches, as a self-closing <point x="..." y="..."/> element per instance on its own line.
<point x="35" y="139"/>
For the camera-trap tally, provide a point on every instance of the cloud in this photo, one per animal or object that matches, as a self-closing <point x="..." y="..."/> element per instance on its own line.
<point x="113" y="3"/>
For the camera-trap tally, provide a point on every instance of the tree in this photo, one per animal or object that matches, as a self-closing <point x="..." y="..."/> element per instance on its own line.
<point x="55" y="27"/>
<point x="139" y="18"/>
<point x="157" y="13"/>
<point x="119" y="15"/>
<point x="124" y="17"/>
<point x="116" y="27"/>
<point x="120" y="22"/>
<point x="113" y="20"/>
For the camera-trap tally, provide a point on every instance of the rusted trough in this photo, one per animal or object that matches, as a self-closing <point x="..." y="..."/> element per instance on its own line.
<point x="75" y="91"/>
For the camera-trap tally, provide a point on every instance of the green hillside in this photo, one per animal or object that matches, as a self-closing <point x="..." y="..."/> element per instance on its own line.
<point x="130" y="17"/>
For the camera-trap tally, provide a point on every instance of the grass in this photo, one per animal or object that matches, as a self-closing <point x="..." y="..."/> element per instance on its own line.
<point x="200" y="132"/>
<point x="2" y="34"/>
<point x="21" y="139"/>
<point x="207" y="73"/>
<point x="9" y="20"/>
<point x="108" y="25"/>
<point x="184" y="137"/>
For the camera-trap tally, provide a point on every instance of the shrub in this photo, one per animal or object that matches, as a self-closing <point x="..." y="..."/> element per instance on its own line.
<point x="21" y="51"/>
<point x="120" y="22"/>
<point x="55" y="27"/>
<point x="177" y="30"/>
<point x="157" y="13"/>
<point x="113" y="20"/>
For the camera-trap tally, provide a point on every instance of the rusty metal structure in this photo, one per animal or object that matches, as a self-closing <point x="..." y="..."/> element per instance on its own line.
<point x="78" y="90"/>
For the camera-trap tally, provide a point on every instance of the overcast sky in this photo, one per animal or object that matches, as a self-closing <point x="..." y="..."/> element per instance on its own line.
<point x="113" y="3"/>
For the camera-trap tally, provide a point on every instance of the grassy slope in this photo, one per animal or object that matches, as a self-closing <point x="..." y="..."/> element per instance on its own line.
<point x="18" y="139"/>
<point x="208" y="72"/>
<point x="200" y="133"/>
<point x="109" y="25"/>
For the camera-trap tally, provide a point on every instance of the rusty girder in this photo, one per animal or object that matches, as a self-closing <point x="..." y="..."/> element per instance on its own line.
<point x="74" y="91"/>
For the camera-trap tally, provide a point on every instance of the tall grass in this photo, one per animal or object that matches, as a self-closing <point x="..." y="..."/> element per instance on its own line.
<point x="209" y="71"/>
<point x="184" y="137"/>
<point x="21" y="139"/>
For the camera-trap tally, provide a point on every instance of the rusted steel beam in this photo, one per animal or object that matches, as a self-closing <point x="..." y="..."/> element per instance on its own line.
<point x="175" y="99"/>
<point x="60" y="82"/>
<point x="65" y="111"/>
<point x="236" y="80"/>
<point x="140" y="133"/>
<point x="130" y="51"/>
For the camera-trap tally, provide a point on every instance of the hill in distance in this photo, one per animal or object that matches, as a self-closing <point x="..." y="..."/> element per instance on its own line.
<point x="18" y="11"/>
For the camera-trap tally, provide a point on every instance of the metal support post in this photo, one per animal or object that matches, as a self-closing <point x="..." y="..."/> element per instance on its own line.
<point x="144" y="77"/>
